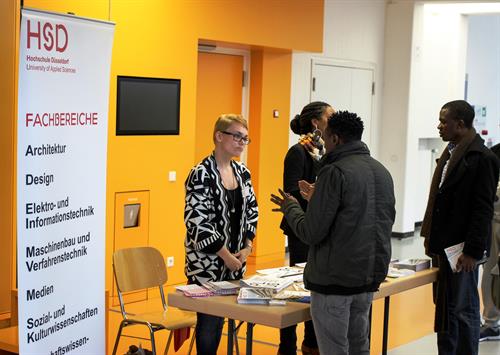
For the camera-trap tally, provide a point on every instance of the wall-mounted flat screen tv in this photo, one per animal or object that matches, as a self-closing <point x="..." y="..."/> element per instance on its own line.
<point x="147" y="106"/>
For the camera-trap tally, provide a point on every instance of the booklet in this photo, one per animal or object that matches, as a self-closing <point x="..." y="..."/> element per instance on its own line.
<point x="395" y="273"/>
<point x="248" y="295"/>
<point x="222" y="288"/>
<point x="453" y="253"/>
<point x="284" y="271"/>
<point x="194" y="291"/>
<point x="272" y="283"/>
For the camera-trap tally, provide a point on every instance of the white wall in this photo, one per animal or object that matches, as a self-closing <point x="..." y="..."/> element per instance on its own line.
<point x="353" y="30"/>
<point x="437" y="76"/>
<point x="394" y="123"/>
<point x="483" y="69"/>
<point x="436" y="65"/>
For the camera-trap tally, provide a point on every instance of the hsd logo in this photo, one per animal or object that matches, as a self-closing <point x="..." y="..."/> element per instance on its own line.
<point x="51" y="36"/>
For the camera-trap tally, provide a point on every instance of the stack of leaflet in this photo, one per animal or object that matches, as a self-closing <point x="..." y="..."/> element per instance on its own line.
<point x="222" y="288"/>
<point x="284" y="271"/>
<point x="297" y="293"/>
<point x="249" y="295"/>
<point x="396" y="273"/>
<point x="194" y="291"/>
<point x="273" y="284"/>
<point x="413" y="264"/>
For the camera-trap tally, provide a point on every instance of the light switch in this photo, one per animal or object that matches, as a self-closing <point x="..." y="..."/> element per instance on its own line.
<point x="276" y="113"/>
<point x="172" y="176"/>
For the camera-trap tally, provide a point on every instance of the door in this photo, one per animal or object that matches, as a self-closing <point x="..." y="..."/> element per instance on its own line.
<point x="345" y="88"/>
<point x="219" y="91"/>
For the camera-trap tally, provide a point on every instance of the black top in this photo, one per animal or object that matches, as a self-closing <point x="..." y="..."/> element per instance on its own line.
<point x="235" y="199"/>
<point x="298" y="165"/>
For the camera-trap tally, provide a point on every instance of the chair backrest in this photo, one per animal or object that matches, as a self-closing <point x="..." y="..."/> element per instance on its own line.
<point x="139" y="268"/>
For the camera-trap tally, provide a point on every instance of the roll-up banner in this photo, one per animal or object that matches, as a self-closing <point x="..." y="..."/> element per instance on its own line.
<point x="64" y="71"/>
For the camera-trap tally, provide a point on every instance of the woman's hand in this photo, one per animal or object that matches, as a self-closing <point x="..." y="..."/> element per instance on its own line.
<point x="232" y="263"/>
<point x="243" y="254"/>
<point x="230" y="260"/>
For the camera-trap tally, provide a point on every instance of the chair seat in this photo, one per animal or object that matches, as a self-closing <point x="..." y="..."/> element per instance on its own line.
<point x="142" y="268"/>
<point x="170" y="319"/>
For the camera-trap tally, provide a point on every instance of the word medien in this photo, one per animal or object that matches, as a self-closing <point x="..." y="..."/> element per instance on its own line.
<point x="34" y="294"/>
<point x="45" y="149"/>
<point x="45" y="179"/>
<point x="61" y="119"/>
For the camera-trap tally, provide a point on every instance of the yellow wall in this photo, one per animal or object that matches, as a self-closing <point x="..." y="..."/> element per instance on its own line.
<point x="266" y="155"/>
<point x="158" y="38"/>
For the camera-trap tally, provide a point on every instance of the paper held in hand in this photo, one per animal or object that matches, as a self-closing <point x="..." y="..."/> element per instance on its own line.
<point x="453" y="253"/>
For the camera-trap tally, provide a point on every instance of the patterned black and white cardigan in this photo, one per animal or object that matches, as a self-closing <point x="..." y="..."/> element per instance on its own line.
<point x="207" y="219"/>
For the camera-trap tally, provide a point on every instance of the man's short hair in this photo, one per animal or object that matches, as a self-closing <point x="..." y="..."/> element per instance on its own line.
<point x="460" y="110"/>
<point x="347" y="125"/>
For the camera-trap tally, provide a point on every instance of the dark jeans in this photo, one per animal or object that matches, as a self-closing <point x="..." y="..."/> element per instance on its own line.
<point x="461" y="311"/>
<point x="288" y="336"/>
<point x="208" y="333"/>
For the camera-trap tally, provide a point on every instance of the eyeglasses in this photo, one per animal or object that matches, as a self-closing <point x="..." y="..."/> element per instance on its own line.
<point x="238" y="137"/>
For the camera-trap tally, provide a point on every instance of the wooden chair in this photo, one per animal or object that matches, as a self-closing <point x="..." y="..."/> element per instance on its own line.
<point x="141" y="268"/>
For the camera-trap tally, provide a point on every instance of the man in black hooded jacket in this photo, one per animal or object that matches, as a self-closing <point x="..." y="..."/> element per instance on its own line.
<point x="348" y="227"/>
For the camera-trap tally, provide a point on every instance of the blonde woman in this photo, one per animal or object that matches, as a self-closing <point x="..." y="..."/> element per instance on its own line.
<point x="221" y="218"/>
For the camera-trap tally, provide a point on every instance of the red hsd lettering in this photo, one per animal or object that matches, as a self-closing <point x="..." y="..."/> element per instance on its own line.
<point x="50" y="35"/>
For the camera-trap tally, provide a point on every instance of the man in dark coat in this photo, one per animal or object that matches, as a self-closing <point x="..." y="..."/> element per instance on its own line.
<point x="348" y="227"/>
<point x="459" y="210"/>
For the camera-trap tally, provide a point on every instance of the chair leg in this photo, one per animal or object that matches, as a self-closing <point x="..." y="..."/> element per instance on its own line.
<point x="168" y="342"/>
<point x="192" y="341"/>
<point x="152" y="334"/>
<point x="117" y="340"/>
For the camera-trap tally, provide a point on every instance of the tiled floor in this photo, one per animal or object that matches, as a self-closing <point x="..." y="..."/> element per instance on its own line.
<point x="427" y="346"/>
<point x="410" y="248"/>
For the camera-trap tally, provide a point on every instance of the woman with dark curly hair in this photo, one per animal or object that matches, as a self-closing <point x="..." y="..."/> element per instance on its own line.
<point x="300" y="164"/>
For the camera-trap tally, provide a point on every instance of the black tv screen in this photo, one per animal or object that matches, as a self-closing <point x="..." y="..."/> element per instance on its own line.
<point x="147" y="106"/>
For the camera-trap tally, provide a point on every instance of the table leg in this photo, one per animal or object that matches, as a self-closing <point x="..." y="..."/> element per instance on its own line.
<point x="236" y="337"/>
<point x="386" y="325"/>
<point x="249" y="338"/>
<point x="230" y="336"/>
<point x="370" y="324"/>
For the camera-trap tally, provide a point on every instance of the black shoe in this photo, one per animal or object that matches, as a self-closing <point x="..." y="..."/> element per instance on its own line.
<point x="309" y="351"/>
<point x="489" y="334"/>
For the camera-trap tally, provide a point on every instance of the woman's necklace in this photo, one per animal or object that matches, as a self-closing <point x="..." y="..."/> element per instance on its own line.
<point x="232" y="195"/>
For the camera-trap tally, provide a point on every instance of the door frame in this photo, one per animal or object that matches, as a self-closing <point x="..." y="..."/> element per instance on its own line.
<point x="245" y="88"/>
<point x="352" y="64"/>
